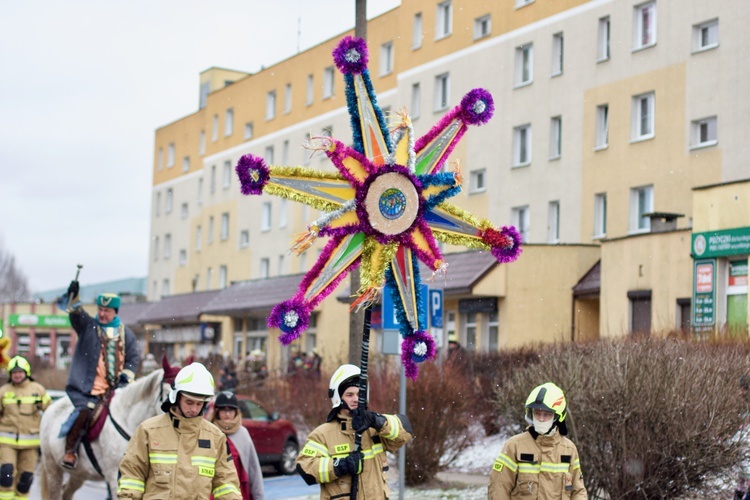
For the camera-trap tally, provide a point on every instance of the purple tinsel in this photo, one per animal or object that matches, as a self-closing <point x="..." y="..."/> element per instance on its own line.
<point x="409" y="358"/>
<point x="510" y="253"/>
<point x="276" y="319"/>
<point x="477" y="107"/>
<point x="350" y="55"/>
<point x="249" y="167"/>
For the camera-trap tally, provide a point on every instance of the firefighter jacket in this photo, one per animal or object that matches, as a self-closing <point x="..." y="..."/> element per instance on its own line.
<point x="537" y="467"/>
<point x="335" y="439"/>
<point x="172" y="457"/>
<point x="21" y="412"/>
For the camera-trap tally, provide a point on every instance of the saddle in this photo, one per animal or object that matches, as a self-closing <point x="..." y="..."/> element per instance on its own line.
<point x="96" y="422"/>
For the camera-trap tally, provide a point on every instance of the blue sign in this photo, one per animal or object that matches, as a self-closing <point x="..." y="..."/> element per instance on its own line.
<point x="436" y="308"/>
<point x="390" y="321"/>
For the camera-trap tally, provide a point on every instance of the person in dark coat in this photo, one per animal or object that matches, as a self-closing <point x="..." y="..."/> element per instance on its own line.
<point x="105" y="357"/>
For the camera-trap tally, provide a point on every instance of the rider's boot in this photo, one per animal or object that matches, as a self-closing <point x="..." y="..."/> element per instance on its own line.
<point x="73" y="439"/>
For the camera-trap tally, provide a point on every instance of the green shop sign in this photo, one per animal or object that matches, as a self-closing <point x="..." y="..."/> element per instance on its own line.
<point x="721" y="243"/>
<point x="39" y="320"/>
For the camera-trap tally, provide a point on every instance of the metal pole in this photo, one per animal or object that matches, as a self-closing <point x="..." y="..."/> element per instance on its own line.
<point x="362" y="399"/>
<point x="402" y="450"/>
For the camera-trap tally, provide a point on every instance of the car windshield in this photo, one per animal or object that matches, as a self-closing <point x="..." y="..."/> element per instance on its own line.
<point x="252" y="410"/>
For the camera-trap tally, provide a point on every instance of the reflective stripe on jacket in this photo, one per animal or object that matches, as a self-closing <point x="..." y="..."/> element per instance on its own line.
<point x="545" y="468"/>
<point x="170" y="457"/>
<point x="21" y="410"/>
<point x="335" y="439"/>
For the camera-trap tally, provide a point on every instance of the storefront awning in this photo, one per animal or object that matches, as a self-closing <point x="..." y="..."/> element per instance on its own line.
<point x="183" y="308"/>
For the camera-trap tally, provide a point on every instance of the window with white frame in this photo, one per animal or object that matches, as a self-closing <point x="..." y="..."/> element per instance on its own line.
<point x="224" y="233"/>
<point x="228" y="122"/>
<point x="557" y="54"/>
<point x="268" y="155"/>
<point x="157" y="204"/>
<point x="706" y="35"/>
<point x="601" y="140"/>
<point x="303" y="262"/>
<point x="156" y="249"/>
<point x="703" y="132"/>
<point x="493" y="332"/>
<point x="482" y="27"/>
<point x="159" y="159"/>
<point x="209" y="278"/>
<point x="306" y="155"/>
<point x="210" y="235"/>
<point x="522" y="145"/>
<point x="417" y="31"/>
<point x="328" y="79"/>
<point x="602" y="39"/>
<point x="444" y="20"/>
<point x="226" y="180"/>
<point x="470" y="331"/>
<point x="183" y="257"/>
<point x="450" y="324"/>
<point x="416" y="100"/>
<point x="442" y="91"/>
<point x="200" y="191"/>
<point x="222" y="277"/>
<point x="264" y="267"/>
<point x="310" y="94"/>
<point x="520" y="218"/>
<point x="282" y="265"/>
<point x="644" y="25"/>
<point x="271" y="105"/>
<point x="642" y="119"/>
<point x="600" y="215"/>
<point x="265" y="217"/>
<point x="244" y="238"/>
<point x="202" y="143"/>
<point x="215" y="128"/>
<point x="170" y="155"/>
<point x="248" y="130"/>
<point x="641" y="203"/>
<point x="186" y="164"/>
<point x="288" y="98"/>
<point x="165" y="287"/>
<point x="184" y="211"/>
<point x="198" y="238"/>
<point x="524" y="72"/>
<point x="167" y="246"/>
<point x="285" y="152"/>
<point x="386" y="58"/>
<point x="282" y="213"/>
<point x="553" y="222"/>
<point x="169" y="204"/>
<point x="478" y="181"/>
<point x="212" y="186"/>
<point x="555" y="137"/>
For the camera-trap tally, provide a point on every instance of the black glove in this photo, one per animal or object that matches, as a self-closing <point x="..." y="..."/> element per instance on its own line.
<point x="364" y="419"/>
<point x="73" y="289"/>
<point x="350" y="465"/>
<point x="122" y="380"/>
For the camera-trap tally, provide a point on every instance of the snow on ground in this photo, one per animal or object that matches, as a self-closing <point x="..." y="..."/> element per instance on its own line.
<point x="478" y="458"/>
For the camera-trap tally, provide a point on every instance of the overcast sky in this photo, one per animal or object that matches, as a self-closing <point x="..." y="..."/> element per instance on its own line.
<point x="84" y="86"/>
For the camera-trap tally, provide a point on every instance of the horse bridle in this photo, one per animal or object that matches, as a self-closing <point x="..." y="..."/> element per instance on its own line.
<point x="119" y="428"/>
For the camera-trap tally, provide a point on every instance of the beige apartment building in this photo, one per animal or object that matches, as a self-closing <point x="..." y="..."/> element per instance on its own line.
<point x="603" y="149"/>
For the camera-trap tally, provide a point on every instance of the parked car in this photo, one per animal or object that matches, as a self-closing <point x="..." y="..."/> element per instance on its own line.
<point x="275" y="438"/>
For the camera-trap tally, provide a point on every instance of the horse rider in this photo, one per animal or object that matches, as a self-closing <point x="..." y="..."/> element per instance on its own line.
<point x="105" y="357"/>
<point x="179" y="454"/>
<point x="21" y="404"/>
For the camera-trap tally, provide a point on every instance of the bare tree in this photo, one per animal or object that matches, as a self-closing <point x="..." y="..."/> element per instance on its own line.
<point x="14" y="287"/>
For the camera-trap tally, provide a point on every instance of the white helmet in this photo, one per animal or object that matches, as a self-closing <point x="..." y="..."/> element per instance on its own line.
<point x="344" y="373"/>
<point x="195" y="379"/>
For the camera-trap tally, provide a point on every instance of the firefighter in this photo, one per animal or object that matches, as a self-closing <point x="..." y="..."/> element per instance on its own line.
<point x="22" y="401"/>
<point x="329" y="457"/>
<point x="180" y="455"/>
<point x="540" y="462"/>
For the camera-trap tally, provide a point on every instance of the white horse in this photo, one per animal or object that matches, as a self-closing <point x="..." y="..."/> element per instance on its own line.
<point x="130" y="406"/>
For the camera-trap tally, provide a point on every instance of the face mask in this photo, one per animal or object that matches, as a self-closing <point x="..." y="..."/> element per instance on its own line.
<point x="543" y="427"/>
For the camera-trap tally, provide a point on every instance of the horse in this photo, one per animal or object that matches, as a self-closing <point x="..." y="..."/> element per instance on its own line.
<point x="131" y="405"/>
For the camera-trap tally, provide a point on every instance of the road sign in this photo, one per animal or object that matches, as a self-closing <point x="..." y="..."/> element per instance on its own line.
<point x="436" y="308"/>
<point x="390" y="321"/>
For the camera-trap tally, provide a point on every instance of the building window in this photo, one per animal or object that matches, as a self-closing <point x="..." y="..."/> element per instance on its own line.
<point x="602" y="40"/>
<point x="477" y="181"/>
<point x="524" y="65"/>
<point x="442" y="91"/>
<point x="165" y="287"/>
<point x="186" y="164"/>
<point x="264" y="267"/>
<point x="209" y="278"/>
<point x="157" y="204"/>
<point x="156" y="248"/>
<point x="244" y="238"/>
<point x="282" y="213"/>
<point x="386" y="58"/>
<point x="200" y="191"/>
<point x="600" y="215"/>
<point x="416" y="100"/>
<point x="159" y="159"/>
<point x="213" y="179"/>
<point x="210" y="236"/>
<point x="228" y="122"/>
<point x="470" y="331"/>
<point x="417" y="31"/>
<point x="303" y="262"/>
<point x="227" y="175"/>
<point x="644" y="25"/>
<point x="306" y="155"/>
<point x="215" y="128"/>
<point x="310" y="90"/>
<point x="268" y="155"/>
<point x="285" y="152"/>
<point x="167" y="246"/>
<point x="557" y="54"/>
<point x="205" y="89"/>
<point x="641" y="203"/>
<point x="706" y="35"/>
<point x="170" y="155"/>
<point x="522" y="145"/>
<point x="282" y="265"/>
<point x="271" y="105"/>
<point x="288" y="98"/>
<point x="482" y="27"/>
<point x="328" y="79"/>
<point x="553" y="222"/>
<point x="184" y="211"/>
<point x="202" y="143"/>
<point x="169" y="201"/>
<point x="602" y="126"/>
<point x="519" y="217"/>
<point x="555" y="137"/>
<point x="248" y="130"/>
<point x="444" y="20"/>
<point x="224" y="234"/>
<point x="183" y="257"/>
<point x="222" y="277"/>
<point x="643" y="117"/>
<point x="198" y="239"/>
<point x="703" y="133"/>
<point x="493" y="331"/>
<point x="265" y="221"/>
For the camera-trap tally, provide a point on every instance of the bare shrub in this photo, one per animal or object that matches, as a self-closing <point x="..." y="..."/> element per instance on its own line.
<point x="651" y="419"/>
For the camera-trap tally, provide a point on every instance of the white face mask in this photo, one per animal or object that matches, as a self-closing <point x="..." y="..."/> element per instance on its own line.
<point x="543" y="427"/>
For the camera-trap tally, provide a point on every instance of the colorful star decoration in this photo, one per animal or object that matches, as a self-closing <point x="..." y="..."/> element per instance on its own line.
<point x="384" y="208"/>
